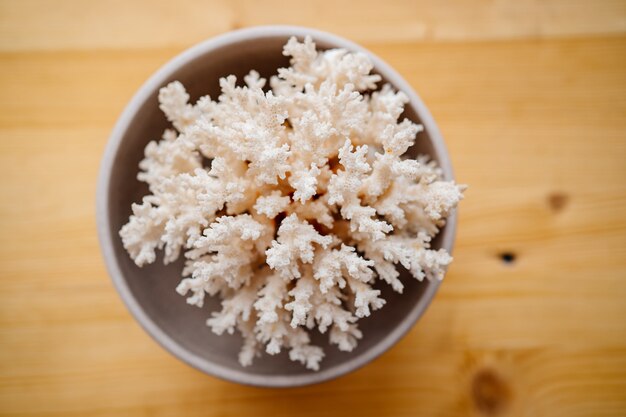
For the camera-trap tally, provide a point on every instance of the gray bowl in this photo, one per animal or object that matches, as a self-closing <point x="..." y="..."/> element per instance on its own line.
<point x="149" y="291"/>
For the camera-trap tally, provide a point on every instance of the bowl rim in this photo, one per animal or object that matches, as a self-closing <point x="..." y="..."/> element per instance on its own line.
<point x="106" y="236"/>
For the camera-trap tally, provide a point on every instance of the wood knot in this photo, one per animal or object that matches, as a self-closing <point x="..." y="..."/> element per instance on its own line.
<point x="557" y="201"/>
<point x="507" y="257"/>
<point x="490" y="392"/>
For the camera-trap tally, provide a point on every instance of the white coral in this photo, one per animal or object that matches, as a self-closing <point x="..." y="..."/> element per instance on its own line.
<point x="307" y="201"/>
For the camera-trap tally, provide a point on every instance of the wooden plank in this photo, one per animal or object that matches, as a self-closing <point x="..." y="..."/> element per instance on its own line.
<point x="536" y="128"/>
<point x="77" y="24"/>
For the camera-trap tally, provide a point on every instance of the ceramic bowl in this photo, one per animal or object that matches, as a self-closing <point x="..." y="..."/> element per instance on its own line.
<point x="148" y="292"/>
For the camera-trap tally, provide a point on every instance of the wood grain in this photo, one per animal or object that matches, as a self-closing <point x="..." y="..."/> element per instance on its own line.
<point x="79" y="24"/>
<point x="535" y="123"/>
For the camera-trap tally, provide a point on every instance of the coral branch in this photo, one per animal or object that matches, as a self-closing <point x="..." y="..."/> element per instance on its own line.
<point x="291" y="203"/>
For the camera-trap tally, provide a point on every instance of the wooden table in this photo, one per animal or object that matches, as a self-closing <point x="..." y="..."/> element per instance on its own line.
<point x="531" y="319"/>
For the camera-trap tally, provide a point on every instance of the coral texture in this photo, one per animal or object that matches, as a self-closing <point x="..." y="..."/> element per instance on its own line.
<point x="290" y="201"/>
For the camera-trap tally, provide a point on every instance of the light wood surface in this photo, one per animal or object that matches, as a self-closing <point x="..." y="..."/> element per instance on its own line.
<point x="531" y="99"/>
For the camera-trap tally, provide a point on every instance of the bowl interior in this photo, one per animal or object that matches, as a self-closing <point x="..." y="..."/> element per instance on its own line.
<point x="153" y="286"/>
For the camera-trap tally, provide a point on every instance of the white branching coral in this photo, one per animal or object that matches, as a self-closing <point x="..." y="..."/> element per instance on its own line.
<point x="291" y="201"/>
